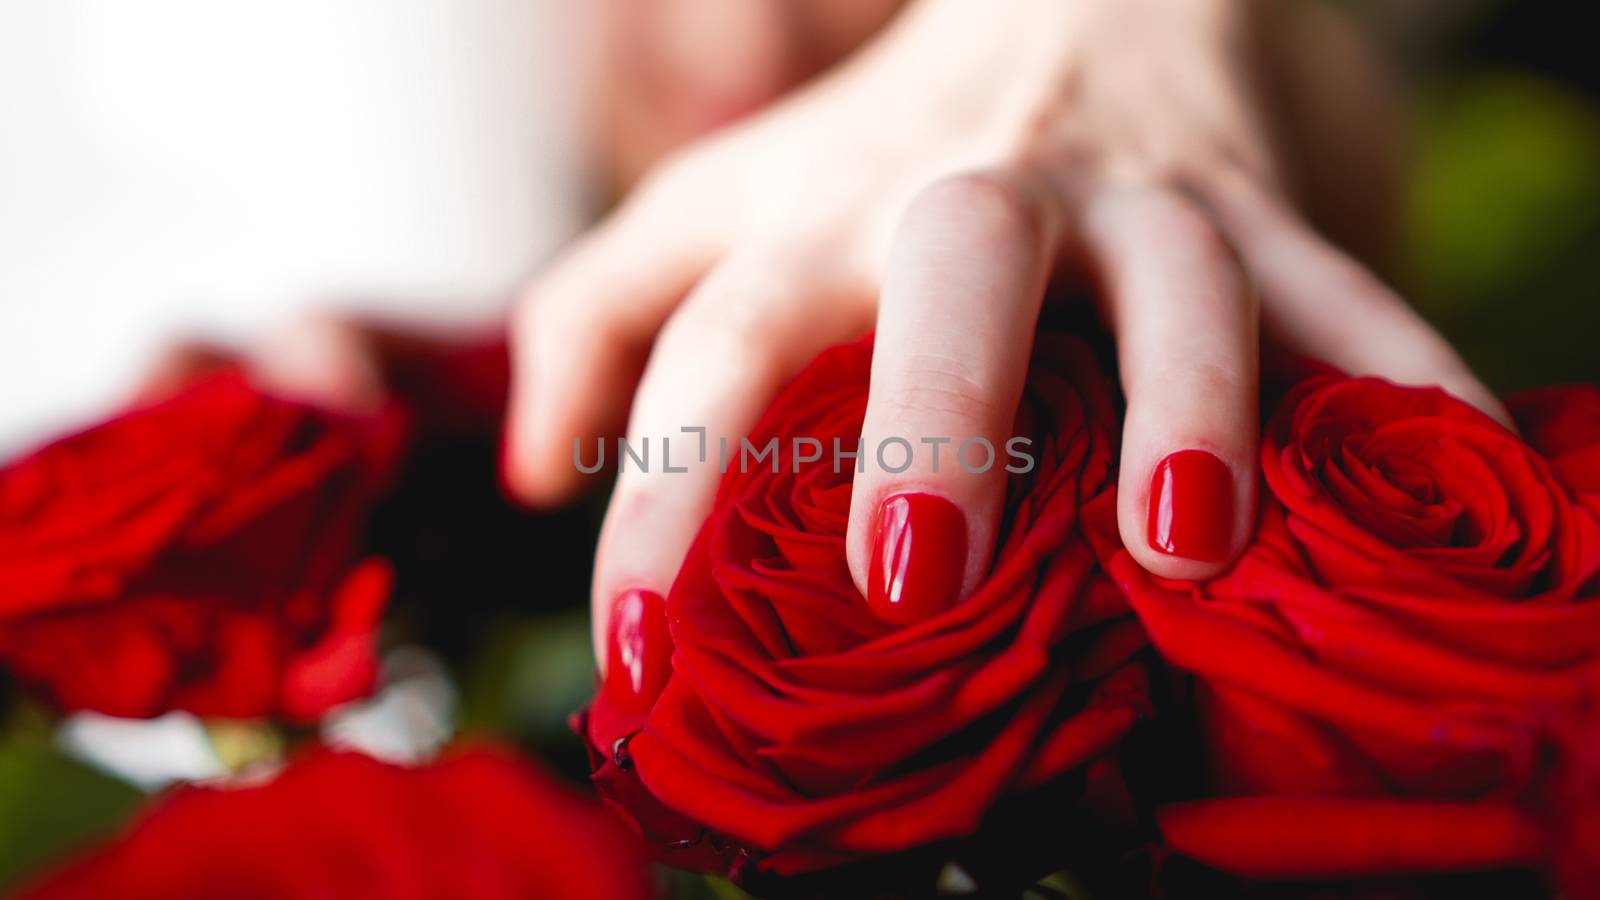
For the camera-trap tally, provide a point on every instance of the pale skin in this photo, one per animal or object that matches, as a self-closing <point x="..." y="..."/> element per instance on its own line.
<point x="927" y="188"/>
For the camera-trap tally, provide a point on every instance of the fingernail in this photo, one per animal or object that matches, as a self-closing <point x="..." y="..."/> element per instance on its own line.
<point x="639" y="652"/>
<point x="1191" y="506"/>
<point x="918" y="557"/>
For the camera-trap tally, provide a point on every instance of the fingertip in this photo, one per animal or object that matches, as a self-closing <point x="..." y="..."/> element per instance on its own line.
<point x="919" y="542"/>
<point x="633" y="650"/>
<point x="919" y="557"/>
<point x="631" y="563"/>
<point x="322" y="359"/>
<point x="525" y="476"/>
<point x="1188" y="515"/>
<point x="175" y="367"/>
<point x="570" y="388"/>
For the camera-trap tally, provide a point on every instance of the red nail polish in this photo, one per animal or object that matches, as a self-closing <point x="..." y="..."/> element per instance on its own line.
<point x="1191" y="506"/>
<point x="918" y="558"/>
<point x="639" y="652"/>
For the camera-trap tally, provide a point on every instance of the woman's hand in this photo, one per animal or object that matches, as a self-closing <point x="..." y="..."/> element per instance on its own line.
<point x="928" y="188"/>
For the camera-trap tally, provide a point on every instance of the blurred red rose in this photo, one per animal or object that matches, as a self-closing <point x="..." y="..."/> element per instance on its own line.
<point x="1563" y="423"/>
<point x="478" y="824"/>
<point x="1376" y="672"/>
<point x="198" y="553"/>
<point x="799" y="731"/>
<point x="1566" y="802"/>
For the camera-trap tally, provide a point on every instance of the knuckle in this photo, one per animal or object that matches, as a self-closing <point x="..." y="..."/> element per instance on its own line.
<point x="1217" y="384"/>
<point x="739" y="337"/>
<point x="553" y="322"/>
<point x="637" y="497"/>
<point x="663" y="182"/>
<point x="547" y="299"/>
<point x="755" y="309"/>
<point x="533" y="319"/>
<point x="1179" y="222"/>
<point x="996" y="207"/>
<point x="541" y="310"/>
<point x="937" y="386"/>
<point x="1201" y="255"/>
<point x="1223" y="381"/>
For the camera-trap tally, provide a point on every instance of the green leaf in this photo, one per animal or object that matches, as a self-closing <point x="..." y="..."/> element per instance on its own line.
<point x="533" y="673"/>
<point x="680" y="885"/>
<point x="50" y="804"/>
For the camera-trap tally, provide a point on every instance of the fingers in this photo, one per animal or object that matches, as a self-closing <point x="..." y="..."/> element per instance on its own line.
<point x="175" y="367"/>
<point x="956" y="318"/>
<point x="322" y="359"/>
<point x="1186" y="330"/>
<point x="581" y="333"/>
<point x="754" y="322"/>
<point x="1319" y="302"/>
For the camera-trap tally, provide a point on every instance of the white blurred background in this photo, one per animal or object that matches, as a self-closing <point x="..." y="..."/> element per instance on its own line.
<point x="181" y="168"/>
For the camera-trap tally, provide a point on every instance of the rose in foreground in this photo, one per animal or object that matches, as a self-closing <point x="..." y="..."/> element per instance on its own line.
<point x="338" y="824"/>
<point x="1377" y="674"/>
<point x="798" y="731"/>
<point x="1563" y="423"/>
<point x="199" y="553"/>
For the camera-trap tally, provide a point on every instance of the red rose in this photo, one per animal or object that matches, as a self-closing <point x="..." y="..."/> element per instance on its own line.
<point x="801" y="730"/>
<point x="1567" y="802"/>
<point x="1376" y="671"/>
<point x="198" y="553"/>
<point x="1563" y="422"/>
<point x="478" y="824"/>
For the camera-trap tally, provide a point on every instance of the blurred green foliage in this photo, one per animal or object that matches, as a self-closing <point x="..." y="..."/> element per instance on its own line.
<point x="680" y="885"/>
<point x="533" y="673"/>
<point x="1504" y="226"/>
<point x="50" y="804"/>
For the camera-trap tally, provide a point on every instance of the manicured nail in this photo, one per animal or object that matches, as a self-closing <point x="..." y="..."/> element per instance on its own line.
<point x="639" y="652"/>
<point x="1191" y="506"/>
<point x="918" y="557"/>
